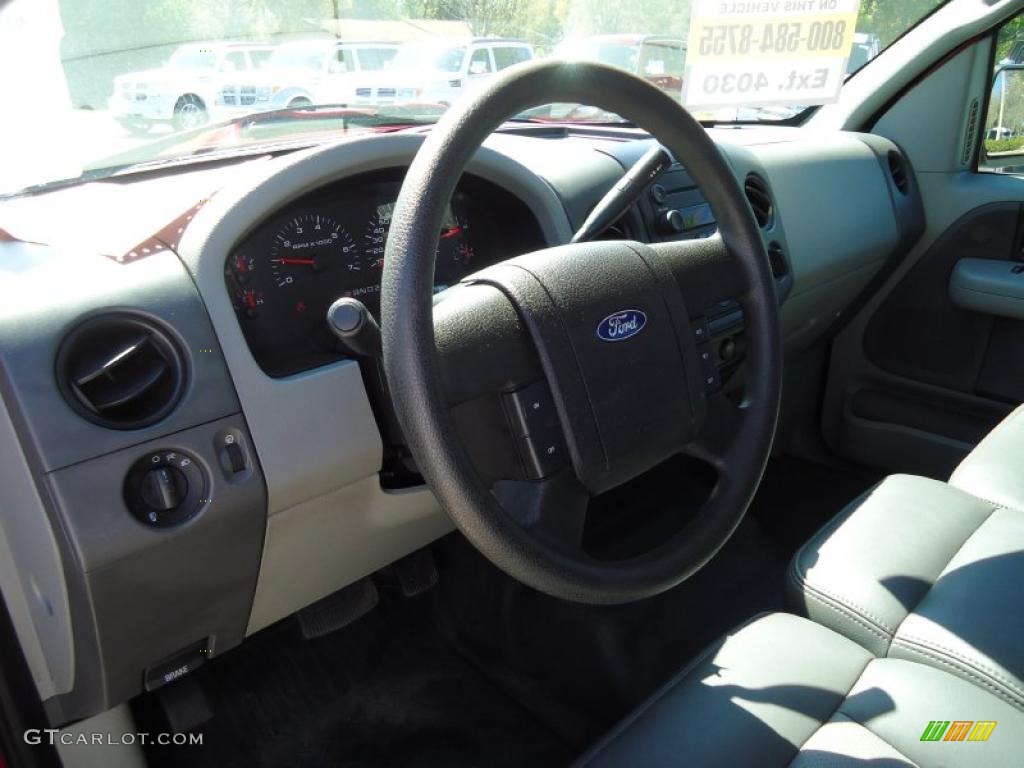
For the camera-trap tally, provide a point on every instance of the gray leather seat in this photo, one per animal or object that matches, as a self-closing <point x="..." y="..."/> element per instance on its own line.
<point x="992" y="471"/>
<point x="921" y="570"/>
<point x="783" y="690"/>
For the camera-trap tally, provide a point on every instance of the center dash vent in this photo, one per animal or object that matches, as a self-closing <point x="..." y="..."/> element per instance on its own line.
<point x="120" y="371"/>
<point x="620" y="230"/>
<point x="760" y="198"/>
<point x="898" y="171"/>
<point x="777" y="259"/>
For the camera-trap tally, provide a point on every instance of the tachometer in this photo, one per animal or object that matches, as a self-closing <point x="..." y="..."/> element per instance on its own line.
<point x="307" y="245"/>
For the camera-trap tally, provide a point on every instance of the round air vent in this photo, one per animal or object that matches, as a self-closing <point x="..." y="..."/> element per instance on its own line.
<point x="898" y="169"/>
<point x="121" y="371"/>
<point x="760" y="198"/>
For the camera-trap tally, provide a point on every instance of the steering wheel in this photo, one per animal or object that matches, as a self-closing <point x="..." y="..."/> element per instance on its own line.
<point x="555" y="376"/>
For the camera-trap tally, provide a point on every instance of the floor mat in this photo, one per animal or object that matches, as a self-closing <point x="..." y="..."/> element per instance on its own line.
<point x="386" y="691"/>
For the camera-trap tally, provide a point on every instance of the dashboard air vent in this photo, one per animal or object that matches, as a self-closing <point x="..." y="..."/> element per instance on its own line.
<point x="971" y="132"/>
<point x="622" y="229"/>
<point x="898" y="169"/>
<point x="120" y="371"/>
<point x="760" y="198"/>
<point x="777" y="259"/>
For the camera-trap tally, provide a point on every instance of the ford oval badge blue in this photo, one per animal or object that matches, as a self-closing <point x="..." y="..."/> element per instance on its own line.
<point x="621" y="325"/>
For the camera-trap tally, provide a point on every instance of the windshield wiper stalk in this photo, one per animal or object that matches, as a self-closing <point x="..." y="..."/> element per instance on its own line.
<point x="618" y="199"/>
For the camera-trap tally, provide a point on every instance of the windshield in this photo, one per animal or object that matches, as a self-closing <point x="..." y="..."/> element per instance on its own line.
<point x="415" y="56"/>
<point x="99" y="90"/>
<point x="619" y="54"/>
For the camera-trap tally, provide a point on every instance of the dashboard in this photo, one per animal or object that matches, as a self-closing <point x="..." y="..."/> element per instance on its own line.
<point x="285" y="274"/>
<point x="216" y="279"/>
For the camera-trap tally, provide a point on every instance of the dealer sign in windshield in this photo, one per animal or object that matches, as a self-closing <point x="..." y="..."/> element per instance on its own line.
<point x="768" y="52"/>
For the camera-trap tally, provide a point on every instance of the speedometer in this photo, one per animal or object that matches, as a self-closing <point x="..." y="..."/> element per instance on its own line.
<point x="376" y="235"/>
<point x="307" y="245"/>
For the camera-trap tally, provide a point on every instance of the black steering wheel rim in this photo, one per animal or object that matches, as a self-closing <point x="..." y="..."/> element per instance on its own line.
<point x="413" y="369"/>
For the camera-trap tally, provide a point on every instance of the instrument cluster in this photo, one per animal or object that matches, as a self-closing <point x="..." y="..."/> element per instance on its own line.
<point x="286" y="273"/>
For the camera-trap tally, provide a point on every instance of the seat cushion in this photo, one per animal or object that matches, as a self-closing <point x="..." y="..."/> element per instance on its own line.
<point x="782" y="690"/>
<point x="919" y="570"/>
<point x="993" y="470"/>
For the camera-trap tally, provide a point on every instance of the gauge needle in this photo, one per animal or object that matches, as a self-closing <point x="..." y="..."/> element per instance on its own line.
<point x="306" y="262"/>
<point x="450" y="232"/>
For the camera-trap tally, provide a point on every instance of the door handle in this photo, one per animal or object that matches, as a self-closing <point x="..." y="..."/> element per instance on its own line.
<point x="989" y="286"/>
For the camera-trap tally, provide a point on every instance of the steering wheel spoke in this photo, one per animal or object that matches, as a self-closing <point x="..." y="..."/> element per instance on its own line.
<point x="715" y="442"/>
<point x="705" y="271"/>
<point x="554" y="509"/>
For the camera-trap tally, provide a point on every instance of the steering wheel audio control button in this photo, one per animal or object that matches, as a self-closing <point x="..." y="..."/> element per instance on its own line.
<point x="537" y="430"/>
<point x="710" y="374"/>
<point x="532" y="410"/>
<point x="701" y="332"/>
<point x="542" y="458"/>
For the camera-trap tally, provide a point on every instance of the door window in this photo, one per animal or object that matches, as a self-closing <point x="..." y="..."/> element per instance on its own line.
<point x="258" y="57"/>
<point x="506" y="56"/>
<point x="374" y="58"/>
<point x="235" y="62"/>
<point x="343" y="61"/>
<point x="1003" y="129"/>
<point x="480" y="62"/>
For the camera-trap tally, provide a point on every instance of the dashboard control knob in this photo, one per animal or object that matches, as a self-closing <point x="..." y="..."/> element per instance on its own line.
<point x="658" y="194"/>
<point x="727" y="351"/>
<point x="163" y="488"/>
<point x="671" y="222"/>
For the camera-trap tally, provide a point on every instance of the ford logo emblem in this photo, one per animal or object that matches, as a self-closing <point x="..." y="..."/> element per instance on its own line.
<point x="622" y="325"/>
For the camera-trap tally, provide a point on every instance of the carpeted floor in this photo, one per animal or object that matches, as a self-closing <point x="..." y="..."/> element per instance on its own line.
<point x="797" y="497"/>
<point x="386" y="691"/>
<point x="482" y="671"/>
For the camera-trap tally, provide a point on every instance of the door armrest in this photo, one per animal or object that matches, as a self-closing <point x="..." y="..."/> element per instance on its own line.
<point x="989" y="286"/>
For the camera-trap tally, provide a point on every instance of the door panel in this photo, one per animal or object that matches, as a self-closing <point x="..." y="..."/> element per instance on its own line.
<point x="914" y="380"/>
<point x="917" y="333"/>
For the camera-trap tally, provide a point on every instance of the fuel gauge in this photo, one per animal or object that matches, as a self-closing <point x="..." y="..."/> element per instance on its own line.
<point x="242" y="267"/>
